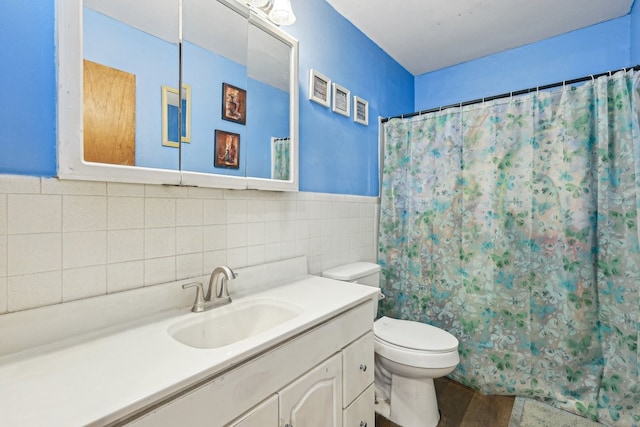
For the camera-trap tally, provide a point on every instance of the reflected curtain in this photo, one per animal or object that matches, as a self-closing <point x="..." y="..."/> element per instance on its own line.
<point x="280" y="155"/>
<point x="512" y="224"/>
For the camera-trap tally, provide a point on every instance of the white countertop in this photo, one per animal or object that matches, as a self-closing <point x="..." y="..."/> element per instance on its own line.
<point x="101" y="376"/>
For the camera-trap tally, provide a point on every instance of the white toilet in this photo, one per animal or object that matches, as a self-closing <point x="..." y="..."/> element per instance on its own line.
<point x="409" y="355"/>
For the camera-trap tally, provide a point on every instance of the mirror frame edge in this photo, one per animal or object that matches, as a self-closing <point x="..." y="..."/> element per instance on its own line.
<point x="292" y="184"/>
<point x="69" y="147"/>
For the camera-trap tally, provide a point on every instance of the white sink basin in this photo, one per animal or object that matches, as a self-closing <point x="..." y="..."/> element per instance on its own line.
<point x="234" y="322"/>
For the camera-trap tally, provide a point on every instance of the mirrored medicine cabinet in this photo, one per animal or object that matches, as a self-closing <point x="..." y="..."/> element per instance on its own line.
<point x="180" y="92"/>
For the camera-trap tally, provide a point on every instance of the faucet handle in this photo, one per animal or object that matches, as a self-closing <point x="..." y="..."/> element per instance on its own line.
<point x="198" y="304"/>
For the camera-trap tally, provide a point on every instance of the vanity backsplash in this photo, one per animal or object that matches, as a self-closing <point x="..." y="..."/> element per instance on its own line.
<point x="62" y="241"/>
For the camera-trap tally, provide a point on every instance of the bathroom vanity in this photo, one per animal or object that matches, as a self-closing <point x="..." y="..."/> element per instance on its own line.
<point x="315" y="360"/>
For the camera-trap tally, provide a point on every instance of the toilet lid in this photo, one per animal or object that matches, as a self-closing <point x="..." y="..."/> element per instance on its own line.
<point x="414" y="335"/>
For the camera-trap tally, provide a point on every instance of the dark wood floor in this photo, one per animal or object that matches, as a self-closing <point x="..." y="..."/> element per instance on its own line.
<point x="461" y="406"/>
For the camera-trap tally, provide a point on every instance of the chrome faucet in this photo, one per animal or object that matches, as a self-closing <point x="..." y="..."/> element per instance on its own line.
<point x="216" y="295"/>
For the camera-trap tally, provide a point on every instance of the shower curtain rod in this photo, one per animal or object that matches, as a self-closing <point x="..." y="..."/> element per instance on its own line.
<point x="509" y="94"/>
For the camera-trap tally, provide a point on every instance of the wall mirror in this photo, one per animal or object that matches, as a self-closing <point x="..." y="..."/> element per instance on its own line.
<point x="238" y="80"/>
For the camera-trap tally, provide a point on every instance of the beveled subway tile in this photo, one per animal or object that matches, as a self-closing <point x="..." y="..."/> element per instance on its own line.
<point x="214" y="237"/>
<point x="273" y="211"/>
<point x="159" y="212"/>
<point x="3" y="214"/>
<point x="255" y="254"/>
<point x="85" y="282"/>
<point x="256" y="233"/>
<point x="213" y="259"/>
<point x="189" y="212"/>
<point x="273" y="232"/>
<point x="273" y="251"/>
<point x="237" y="257"/>
<point x="3" y="256"/>
<point x="18" y="184"/>
<point x="159" y="242"/>
<point x="125" y="189"/>
<point x="84" y="213"/>
<point x="123" y="276"/>
<point x="189" y="240"/>
<point x="84" y="249"/>
<point x="215" y="212"/>
<point x="237" y="211"/>
<point x="159" y="270"/>
<point x="165" y="191"/>
<point x="87" y="188"/>
<point x="256" y="210"/>
<point x="3" y="295"/>
<point x="205" y="193"/>
<point x="34" y="253"/>
<point x="32" y="213"/>
<point x="34" y="290"/>
<point x="236" y="235"/>
<point x="125" y="245"/>
<point x="125" y="212"/>
<point x="189" y="265"/>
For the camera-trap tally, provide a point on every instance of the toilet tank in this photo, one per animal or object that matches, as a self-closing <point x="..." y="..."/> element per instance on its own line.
<point x="364" y="273"/>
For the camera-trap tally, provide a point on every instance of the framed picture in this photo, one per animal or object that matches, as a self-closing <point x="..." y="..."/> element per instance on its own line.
<point x="319" y="88"/>
<point x="226" y="152"/>
<point x="360" y="111"/>
<point x="341" y="100"/>
<point x="170" y="115"/>
<point x="234" y="104"/>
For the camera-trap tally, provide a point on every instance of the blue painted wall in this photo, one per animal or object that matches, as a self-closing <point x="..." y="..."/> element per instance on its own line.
<point x="592" y="50"/>
<point x="28" y="107"/>
<point x="336" y="154"/>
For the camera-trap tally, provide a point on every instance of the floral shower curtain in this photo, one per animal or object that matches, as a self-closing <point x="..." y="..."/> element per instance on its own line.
<point x="280" y="155"/>
<point x="512" y="224"/>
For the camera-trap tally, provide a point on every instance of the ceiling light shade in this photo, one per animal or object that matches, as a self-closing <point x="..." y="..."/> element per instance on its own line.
<point x="281" y="13"/>
<point x="259" y="3"/>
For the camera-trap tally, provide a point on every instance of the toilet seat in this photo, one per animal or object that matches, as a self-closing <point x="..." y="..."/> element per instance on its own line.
<point x="414" y="343"/>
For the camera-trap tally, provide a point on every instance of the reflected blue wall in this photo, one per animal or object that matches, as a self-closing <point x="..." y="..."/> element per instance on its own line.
<point x="154" y="62"/>
<point x="266" y="106"/>
<point x="205" y="72"/>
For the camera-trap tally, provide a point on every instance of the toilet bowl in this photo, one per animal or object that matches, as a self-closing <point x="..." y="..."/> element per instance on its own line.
<point x="408" y="356"/>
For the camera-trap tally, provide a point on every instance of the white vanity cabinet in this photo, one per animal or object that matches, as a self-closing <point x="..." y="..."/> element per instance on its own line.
<point x="317" y="378"/>
<point x="265" y="414"/>
<point x="358" y="376"/>
<point x="314" y="399"/>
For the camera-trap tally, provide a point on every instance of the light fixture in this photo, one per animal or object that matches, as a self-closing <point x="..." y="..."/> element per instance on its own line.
<point x="281" y="13"/>
<point x="259" y="3"/>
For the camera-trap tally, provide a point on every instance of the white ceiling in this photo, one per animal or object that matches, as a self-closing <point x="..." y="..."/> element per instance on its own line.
<point x="426" y="35"/>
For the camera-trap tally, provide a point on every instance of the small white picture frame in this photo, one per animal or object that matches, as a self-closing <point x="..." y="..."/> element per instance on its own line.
<point x="360" y="111"/>
<point x="341" y="100"/>
<point x="319" y="88"/>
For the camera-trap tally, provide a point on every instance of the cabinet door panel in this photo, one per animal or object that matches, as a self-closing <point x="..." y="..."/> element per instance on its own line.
<point x="357" y="367"/>
<point x="315" y="399"/>
<point x="361" y="413"/>
<point x="264" y="415"/>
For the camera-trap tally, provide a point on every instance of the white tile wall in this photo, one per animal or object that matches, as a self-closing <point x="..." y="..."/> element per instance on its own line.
<point x="67" y="240"/>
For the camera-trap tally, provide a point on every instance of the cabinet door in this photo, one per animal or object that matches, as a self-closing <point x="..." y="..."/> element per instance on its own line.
<point x="357" y="367"/>
<point x="264" y="415"/>
<point x="362" y="413"/>
<point x="315" y="399"/>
